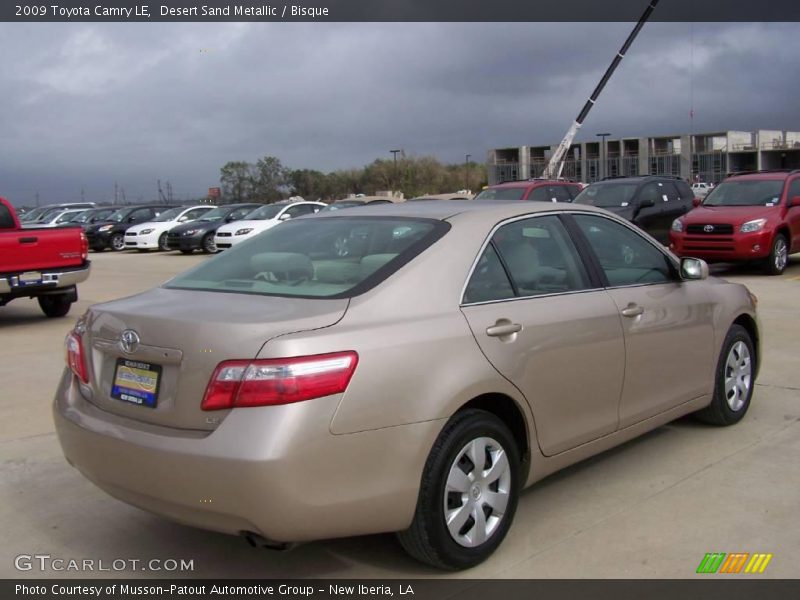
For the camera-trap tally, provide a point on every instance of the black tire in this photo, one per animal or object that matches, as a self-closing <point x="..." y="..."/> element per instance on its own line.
<point x="162" y="242"/>
<point x="778" y="258"/>
<point x="117" y="242"/>
<point x="209" y="247"/>
<point x="428" y="539"/>
<point x="54" y="306"/>
<point x="729" y="406"/>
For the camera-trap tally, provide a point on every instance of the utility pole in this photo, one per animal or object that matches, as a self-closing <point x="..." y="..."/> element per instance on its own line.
<point x="603" y="154"/>
<point x="116" y="193"/>
<point x="394" y="154"/>
<point x="466" y="172"/>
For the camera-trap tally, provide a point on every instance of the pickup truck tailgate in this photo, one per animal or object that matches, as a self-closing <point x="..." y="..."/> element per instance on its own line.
<point x="40" y="249"/>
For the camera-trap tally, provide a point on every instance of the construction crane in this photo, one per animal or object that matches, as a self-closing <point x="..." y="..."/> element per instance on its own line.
<point x="556" y="164"/>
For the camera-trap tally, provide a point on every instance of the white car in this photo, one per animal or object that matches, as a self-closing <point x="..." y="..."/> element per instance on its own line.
<point x="54" y="219"/>
<point x="701" y="189"/>
<point x="152" y="235"/>
<point x="262" y="219"/>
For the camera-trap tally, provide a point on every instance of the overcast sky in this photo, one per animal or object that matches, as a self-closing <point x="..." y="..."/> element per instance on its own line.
<point x="84" y="105"/>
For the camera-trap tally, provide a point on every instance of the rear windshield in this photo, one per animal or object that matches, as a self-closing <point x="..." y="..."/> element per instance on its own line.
<point x="766" y="192"/>
<point x="344" y="204"/>
<point x="336" y="257"/>
<point x="502" y="193"/>
<point x="607" y="194"/>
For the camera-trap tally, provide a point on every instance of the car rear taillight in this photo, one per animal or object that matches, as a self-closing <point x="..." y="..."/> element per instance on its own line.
<point x="84" y="246"/>
<point x="239" y="383"/>
<point x="76" y="359"/>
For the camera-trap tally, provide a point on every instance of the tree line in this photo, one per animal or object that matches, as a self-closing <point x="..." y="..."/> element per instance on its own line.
<point x="268" y="180"/>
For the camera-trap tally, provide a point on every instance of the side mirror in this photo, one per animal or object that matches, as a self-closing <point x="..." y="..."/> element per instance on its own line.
<point x="794" y="201"/>
<point x="131" y="219"/>
<point x="284" y="217"/>
<point x="183" y="219"/>
<point x="694" y="268"/>
<point x="647" y="202"/>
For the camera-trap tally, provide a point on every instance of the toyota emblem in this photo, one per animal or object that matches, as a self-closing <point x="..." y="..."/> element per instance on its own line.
<point x="708" y="228"/>
<point x="129" y="341"/>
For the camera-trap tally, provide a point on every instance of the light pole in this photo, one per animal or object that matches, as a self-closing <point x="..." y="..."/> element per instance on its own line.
<point x="466" y="172"/>
<point x="394" y="154"/>
<point x="603" y="153"/>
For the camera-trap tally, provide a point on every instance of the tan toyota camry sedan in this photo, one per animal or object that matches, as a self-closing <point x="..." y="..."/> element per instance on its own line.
<point x="405" y="368"/>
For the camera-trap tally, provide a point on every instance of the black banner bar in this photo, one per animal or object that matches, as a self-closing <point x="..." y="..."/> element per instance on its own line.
<point x="711" y="588"/>
<point x="395" y="10"/>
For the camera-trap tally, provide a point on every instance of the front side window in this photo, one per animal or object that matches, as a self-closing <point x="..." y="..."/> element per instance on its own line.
<point x="606" y="195"/>
<point x="6" y="220"/>
<point x="336" y="257"/>
<point x="625" y="257"/>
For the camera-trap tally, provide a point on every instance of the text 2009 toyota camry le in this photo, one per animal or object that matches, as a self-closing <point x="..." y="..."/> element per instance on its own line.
<point x="400" y="368"/>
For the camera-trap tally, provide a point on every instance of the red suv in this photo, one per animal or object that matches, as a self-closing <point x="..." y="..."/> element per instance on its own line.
<point x="749" y="216"/>
<point x="541" y="190"/>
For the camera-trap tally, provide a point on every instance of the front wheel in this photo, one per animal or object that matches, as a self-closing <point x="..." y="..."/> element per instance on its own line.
<point x="117" y="242"/>
<point x="735" y="380"/>
<point x="55" y="306"/>
<point x="468" y="493"/>
<point x="778" y="256"/>
<point x="209" y="247"/>
<point x="162" y="242"/>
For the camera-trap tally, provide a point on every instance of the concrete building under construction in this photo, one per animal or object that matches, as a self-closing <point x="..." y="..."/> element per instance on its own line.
<point x="705" y="157"/>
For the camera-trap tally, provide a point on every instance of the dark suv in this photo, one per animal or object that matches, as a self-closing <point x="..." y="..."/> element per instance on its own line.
<point x="651" y="202"/>
<point x="111" y="232"/>
<point x="538" y="190"/>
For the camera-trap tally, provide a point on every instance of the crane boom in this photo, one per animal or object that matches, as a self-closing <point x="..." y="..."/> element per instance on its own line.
<point x="553" y="168"/>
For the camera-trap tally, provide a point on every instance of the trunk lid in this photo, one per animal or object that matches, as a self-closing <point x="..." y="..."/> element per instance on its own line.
<point x="182" y="336"/>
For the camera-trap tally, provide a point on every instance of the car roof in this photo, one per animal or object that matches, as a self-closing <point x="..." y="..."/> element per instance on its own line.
<point x="489" y="210"/>
<point x="526" y="183"/>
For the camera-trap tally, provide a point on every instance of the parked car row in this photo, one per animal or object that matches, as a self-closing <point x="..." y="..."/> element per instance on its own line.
<point x="751" y="217"/>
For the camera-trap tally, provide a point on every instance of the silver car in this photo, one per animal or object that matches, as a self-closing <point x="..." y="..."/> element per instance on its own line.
<point x="457" y="353"/>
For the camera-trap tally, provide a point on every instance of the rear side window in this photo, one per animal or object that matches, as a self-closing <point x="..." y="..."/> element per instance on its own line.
<point x="684" y="190"/>
<point x="337" y="257"/>
<point x="527" y="258"/>
<point x="794" y="189"/>
<point x="6" y="220"/>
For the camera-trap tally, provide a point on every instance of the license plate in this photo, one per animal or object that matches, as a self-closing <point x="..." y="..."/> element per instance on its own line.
<point x="136" y="382"/>
<point x="29" y="278"/>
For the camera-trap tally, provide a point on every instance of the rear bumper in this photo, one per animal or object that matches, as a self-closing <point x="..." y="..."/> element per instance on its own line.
<point x="276" y="471"/>
<point x="52" y="281"/>
<point x="739" y="246"/>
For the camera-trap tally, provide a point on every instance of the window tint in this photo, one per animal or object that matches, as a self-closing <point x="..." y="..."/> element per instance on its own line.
<point x="540" y="257"/>
<point x="197" y="213"/>
<point x="651" y="192"/>
<point x="559" y="193"/>
<point x="794" y="189"/>
<point x="489" y="280"/>
<point x="684" y="190"/>
<point x="6" y="220"/>
<point x="540" y="194"/>
<point x="607" y="194"/>
<point x="625" y="257"/>
<point x="141" y="214"/>
<point x="669" y="189"/>
<point x="240" y="213"/>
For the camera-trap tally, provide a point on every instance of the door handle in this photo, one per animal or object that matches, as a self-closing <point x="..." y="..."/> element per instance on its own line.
<point x="502" y="329"/>
<point x="28" y="240"/>
<point x="632" y="310"/>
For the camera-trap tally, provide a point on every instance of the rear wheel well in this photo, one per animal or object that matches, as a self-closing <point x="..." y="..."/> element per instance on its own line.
<point x="749" y="324"/>
<point x="505" y="409"/>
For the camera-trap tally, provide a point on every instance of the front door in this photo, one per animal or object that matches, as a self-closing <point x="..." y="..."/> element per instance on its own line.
<point x="668" y="323"/>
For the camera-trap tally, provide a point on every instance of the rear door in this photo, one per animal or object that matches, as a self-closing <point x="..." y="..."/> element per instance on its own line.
<point x="650" y="217"/>
<point x="668" y="323"/>
<point x="546" y="327"/>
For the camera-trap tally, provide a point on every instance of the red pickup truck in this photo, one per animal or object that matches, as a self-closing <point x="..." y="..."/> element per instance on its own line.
<point x="46" y="264"/>
<point x="748" y="217"/>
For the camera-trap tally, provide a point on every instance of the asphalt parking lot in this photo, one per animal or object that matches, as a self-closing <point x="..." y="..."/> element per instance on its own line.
<point x="651" y="508"/>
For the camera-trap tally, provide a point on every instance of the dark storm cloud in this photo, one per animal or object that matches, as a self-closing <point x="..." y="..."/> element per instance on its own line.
<point x="85" y="105"/>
